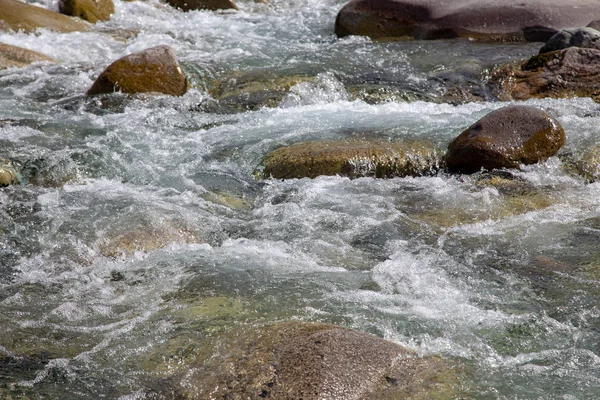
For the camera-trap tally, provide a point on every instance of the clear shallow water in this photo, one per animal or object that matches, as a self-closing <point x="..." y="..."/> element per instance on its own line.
<point x="140" y="231"/>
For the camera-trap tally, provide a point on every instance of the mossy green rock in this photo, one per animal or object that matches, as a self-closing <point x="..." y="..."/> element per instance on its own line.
<point x="296" y="360"/>
<point x="378" y="158"/>
<point x="188" y="5"/>
<point x="506" y="138"/>
<point x="152" y="70"/>
<point x="16" y="15"/>
<point x="89" y="10"/>
<point x="17" y="57"/>
<point x="571" y="72"/>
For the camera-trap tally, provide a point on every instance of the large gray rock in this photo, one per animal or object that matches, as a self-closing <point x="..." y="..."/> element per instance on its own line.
<point x="152" y="70"/>
<point x="506" y="138"/>
<point x="296" y="360"/>
<point x="532" y="20"/>
<point x="579" y="37"/>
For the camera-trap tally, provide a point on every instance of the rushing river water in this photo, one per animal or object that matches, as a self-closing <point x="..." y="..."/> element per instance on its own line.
<point x="140" y="230"/>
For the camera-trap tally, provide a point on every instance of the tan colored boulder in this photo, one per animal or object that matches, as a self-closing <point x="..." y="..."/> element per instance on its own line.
<point x="508" y="20"/>
<point x="378" y="158"/>
<point x="506" y="138"/>
<point x="89" y="10"/>
<point x="296" y="360"/>
<point x="572" y="72"/>
<point x="17" y="57"/>
<point x="152" y="70"/>
<point x="16" y="15"/>
<point x="8" y="173"/>
<point x="189" y="5"/>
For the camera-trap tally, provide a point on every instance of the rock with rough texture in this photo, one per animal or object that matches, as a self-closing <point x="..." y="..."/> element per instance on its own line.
<point x="296" y="360"/>
<point x="189" y="5"/>
<point x="89" y="10"/>
<point x="580" y="37"/>
<point x="506" y="138"/>
<point x="16" y="15"/>
<point x="152" y="70"/>
<point x="572" y="72"/>
<point x="531" y="20"/>
<point x="17" y="57"/>
<point x="588" y="164"/>
<point x="378" y="158"/>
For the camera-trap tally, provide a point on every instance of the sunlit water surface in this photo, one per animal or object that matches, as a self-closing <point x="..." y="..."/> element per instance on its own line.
<point x="139" y="229"/>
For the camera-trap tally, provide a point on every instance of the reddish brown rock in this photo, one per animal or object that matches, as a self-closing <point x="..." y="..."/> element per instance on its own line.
<point x="509" y="20"/>
<point x="188" y="5"/>
<point x="572" y="72"/>
<point x="16" y="15"/>
<point x="152" y="70"/>
<point x="89" y="10"/>
<point x="506" y="138"/>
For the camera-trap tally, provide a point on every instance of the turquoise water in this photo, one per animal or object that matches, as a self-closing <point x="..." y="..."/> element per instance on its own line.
<point x="139" y="230"/>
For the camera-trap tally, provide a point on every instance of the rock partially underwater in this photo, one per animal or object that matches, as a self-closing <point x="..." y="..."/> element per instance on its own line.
<point x="571" y="72"/>
<point x="18" y="16"/>
<point x="506" y="138"/>
<point x="377" y="158"/>
<point x="509" y="20"/>
<point x="154" y="70"/>
<point x="88" y="10"/>
<point x="17" y="57"/>
<point x="297" y="360"/>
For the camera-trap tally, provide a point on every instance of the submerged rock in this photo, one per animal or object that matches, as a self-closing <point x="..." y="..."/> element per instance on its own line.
<point x="188" y="5"/>
<point x="152" y="70"/>
<point x="89" y="10"/>
<point x="17" y="57"/>
<point x="580" y="37"/>
<point x="296" y="360"/>
<point x="572" y="72"/>
<point x="16" y="15"/>
<point x="588" y="165"/>
<point x="506" y="138"/>
<point x="509" y="20"/>
<point x="378" y="158"/>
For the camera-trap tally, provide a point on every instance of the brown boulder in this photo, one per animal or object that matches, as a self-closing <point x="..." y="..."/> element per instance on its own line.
<point x="189" y="5"/>
<point x="532" y="20"/>
<point x="16" y="15"/>
<point x="152" y="70"/>
<point x="296" y="360"/>
<point x="17" y="57"/>
<point x="8" y="173"/>
<point x="378" y="158"/>
<point x="572" y="72"/>
<point x="506" y="138"/>
<point x="89" y="10"/>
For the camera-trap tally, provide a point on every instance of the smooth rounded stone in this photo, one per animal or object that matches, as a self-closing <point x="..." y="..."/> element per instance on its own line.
<point x="377" y="158"/>
<point x="189" y="5"/>
<point x="508" y="20"/>
<point x="506" y="138"/>
<point x="580" y="37"/>
<point x="16" y="15"/>
<point x="297" y="360"/>
<point x="8" y="173"/>
<point x="18" y="57"/>
<point x="89" y="10"/>
<point x="572" y="72"/>
<point x="152" y="70"/>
